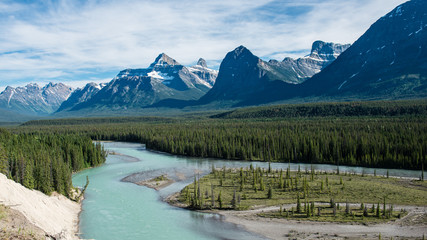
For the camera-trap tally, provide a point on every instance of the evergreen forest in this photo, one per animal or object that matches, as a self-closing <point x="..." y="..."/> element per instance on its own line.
<point x="360" y="138"/>
<point x="45" y="161"/>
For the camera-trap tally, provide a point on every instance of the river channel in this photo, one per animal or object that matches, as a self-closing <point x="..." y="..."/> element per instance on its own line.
<point x="114" y="209"/>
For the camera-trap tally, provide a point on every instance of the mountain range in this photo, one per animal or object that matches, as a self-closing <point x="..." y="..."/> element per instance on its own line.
<point x="135" y="88"/>
<point x="389" y="61"/>
<point x="35" y="100"/>
<point x="244" y="77"/>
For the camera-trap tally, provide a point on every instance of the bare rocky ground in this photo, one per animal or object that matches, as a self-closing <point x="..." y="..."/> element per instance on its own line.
<point x="412" y="226"/>
<point x="56" y="215"/>
<point x="14" y="225"/>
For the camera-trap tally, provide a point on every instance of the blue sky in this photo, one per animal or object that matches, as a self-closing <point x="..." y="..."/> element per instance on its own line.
<point x="78" y="41"/>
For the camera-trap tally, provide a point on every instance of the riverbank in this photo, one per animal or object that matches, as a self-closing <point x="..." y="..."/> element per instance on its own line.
<point x="266" y="202"/>
<point x="55" y="215"/>
<point x="412" y="226"/>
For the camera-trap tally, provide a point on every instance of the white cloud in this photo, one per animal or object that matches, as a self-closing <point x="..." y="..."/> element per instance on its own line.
<point x="60" y="38"/>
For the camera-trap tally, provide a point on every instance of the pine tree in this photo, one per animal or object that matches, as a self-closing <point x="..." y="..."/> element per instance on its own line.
<point x="298" y="204"/>
<point x="212" y="196"/>
<point x="365" y="211"/>
<point x="422" y="171"/>
<point x="220" y="199"/>
<point x="378" y="211"/>
<point x="261" y="184"/>
<point x="312" y="208"/>
<point x="234" y="200"/>
<point x="270" y="193"/>
<point x="347" y="208"/>
<point x="3" y="161"/>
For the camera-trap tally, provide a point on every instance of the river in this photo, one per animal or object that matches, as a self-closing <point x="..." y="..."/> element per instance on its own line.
<point x="114" y="209"/>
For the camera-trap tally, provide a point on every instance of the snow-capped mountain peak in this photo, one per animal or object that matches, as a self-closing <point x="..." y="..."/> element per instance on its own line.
<point x="32" y="99"/>
<point x="207" y="75"/>
<point x="202" y="62"/>
<point x="163" y="60"/>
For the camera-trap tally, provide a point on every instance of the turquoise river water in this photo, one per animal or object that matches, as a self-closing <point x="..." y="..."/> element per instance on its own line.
<point x="115" y="209"/>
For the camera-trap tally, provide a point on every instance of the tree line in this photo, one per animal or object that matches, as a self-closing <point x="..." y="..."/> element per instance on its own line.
<point x="45" y="161"/>
<point x="388" y="142"/>
<point x="339" y="109"/>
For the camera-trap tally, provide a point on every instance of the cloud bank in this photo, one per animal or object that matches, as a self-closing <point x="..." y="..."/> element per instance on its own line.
<point x="81" y="41"/>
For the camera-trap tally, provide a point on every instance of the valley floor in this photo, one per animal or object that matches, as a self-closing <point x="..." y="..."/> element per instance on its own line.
<point x="30" y="214"/>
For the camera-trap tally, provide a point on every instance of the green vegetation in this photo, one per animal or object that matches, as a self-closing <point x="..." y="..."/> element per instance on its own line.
<point x="324" y="213"/>
<point x="388" y="142"/>
<point x="106" y="120"/>
<point x="347" y="109"/>
<point x="160" y="178"/>
<point x="45" y="161"/>
<point x="309" y="190"/>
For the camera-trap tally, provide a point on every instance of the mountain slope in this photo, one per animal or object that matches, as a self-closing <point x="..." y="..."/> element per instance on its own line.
<point x="203" y="72"/>
<point x="34" y="100"/>
<point x="164" y="79"/>
<point x="81" y="95"/>
<point x="245" y="79"/>
<point x="388" y="61"/>
<point x="322" y="54"/>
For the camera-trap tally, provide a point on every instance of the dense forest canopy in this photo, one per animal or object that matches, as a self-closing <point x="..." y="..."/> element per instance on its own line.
<point x="372" y="141"/>
<point x="339" y="109"/>
<point x="45" y="161"/>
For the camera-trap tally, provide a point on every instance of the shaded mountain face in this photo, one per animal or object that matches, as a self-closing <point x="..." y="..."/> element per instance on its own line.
<point x="81" y="95"/>
<point x="244" y="76"/>
<point x="165" y="78"/>
<point x="388" y="61"/>
<point x="35" y="100"/>
<point x="322" y="54"/>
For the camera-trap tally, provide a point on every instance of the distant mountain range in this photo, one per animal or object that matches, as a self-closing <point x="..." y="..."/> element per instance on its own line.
<point x="244" y="77"/>
<point x="165" y="78"/>
<point x="389" y="61"/>
<point x="33" y="99"/>
<point x="80" y="95"/>
<point x="322" y="54"/>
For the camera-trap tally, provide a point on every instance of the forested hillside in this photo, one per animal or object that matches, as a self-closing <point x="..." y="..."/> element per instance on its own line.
<point x="46" y="161"/>
<point x="339" y="109"/>
<point x="389" y="142"/>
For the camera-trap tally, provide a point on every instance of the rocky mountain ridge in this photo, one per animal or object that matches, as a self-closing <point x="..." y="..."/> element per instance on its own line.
<point x="35" y="100"/>
<point x="164" y="79"/>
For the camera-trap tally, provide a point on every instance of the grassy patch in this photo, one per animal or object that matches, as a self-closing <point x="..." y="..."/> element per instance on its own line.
<point x="248" y="187"/>
<point x="160" y="178"/>
<point x="2" y="212"/>
<point x="328" y="214"/>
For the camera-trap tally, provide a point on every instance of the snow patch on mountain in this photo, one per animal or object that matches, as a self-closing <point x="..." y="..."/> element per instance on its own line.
<point x="33" y="99"/>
